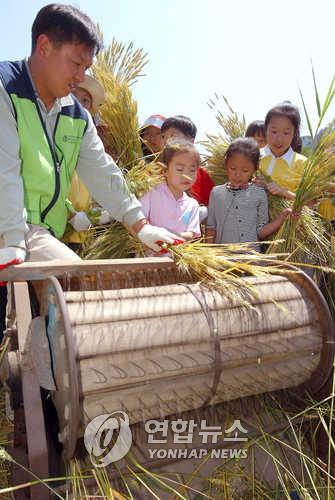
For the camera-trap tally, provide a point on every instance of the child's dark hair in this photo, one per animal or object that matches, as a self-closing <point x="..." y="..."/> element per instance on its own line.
<point x="176" y="146"/>
<point x="65" y="24"/>
<point x="245" y="146"/>
<point x="291" y="113"/>
<point x="182" y="123"/>
<point x="254" y="128"/>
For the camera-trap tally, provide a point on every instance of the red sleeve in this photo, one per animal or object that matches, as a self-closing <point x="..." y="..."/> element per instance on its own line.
<point x="202" y="187"/>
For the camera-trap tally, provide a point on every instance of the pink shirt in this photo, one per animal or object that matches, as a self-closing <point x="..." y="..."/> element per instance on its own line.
<point x="162" y="209"/>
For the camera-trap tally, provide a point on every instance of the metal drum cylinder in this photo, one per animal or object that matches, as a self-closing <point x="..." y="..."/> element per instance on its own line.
<point x="159" y="350"/>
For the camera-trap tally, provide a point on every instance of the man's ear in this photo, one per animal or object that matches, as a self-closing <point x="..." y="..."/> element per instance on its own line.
<point x="43" y="45"/>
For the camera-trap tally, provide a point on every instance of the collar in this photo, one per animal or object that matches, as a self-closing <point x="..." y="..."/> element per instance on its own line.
<point x="288" y="156"/>
<point x="241" y="188"/>
<point x="60" y="102"/>
<point x="169" y="193"/>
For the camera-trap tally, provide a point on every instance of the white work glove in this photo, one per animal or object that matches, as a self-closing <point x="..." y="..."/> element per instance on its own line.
<point x="105" y="217"/>
<point x="153" y="236"/>
<point x="80" y="222"/>
<point x="10" y="256"/>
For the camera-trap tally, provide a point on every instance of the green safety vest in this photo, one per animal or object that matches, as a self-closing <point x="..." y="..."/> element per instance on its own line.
<point x="47" y="164"/>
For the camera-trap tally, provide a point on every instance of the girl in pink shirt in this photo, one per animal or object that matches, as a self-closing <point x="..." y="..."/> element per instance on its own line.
<point x="168" y="205"/>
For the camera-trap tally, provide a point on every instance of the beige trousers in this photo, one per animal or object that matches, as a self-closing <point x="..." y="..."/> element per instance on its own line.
<point x="42" y="246"/>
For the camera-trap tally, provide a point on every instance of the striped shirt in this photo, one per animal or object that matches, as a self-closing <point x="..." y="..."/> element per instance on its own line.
<point x="237" y="215"/>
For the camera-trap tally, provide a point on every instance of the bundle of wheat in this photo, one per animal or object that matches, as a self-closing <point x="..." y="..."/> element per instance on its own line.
<point x="224" y="267"/>
<point x="308" y="232"/>
<point x="216" y="145"/>
<point x="119" y="116"/>
<point x="124" y="61"/>
<point x="117" y="68"/>
<point x="112" y="241"/>
<point x="310" y="239"/>
<point x="233" y="127"/>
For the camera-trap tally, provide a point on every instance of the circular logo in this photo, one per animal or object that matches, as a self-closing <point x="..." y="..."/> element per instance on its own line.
<point x="99" y="442"/>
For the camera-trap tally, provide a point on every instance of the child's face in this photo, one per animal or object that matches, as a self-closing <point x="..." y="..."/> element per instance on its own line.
<point x="240" y="169"/>
<point x="181" y="172"/>
<point x="84" y="98"/>
<point x="153" y="137"/>
<point x="279" y="134"/>
<point x="260" y="139"/>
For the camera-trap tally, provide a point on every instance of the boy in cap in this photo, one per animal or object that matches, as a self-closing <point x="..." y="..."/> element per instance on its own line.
<point x="180" y="126"/>
<point x="151" y="134"/>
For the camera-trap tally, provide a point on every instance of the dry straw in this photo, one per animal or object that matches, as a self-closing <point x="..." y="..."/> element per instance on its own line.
<point x="224" y="267"/>
<point x="308" y="236"/>
<point x="231" y="127"/>
<point x="117" y="68"/>
<point x="310" y="232"/>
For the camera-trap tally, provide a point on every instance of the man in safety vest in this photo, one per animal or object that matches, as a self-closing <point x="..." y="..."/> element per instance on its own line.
<point x="46" y="135"/>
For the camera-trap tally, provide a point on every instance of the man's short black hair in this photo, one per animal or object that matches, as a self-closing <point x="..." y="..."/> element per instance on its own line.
<point x="182" y="123"/>
<point x="65" y="24"/>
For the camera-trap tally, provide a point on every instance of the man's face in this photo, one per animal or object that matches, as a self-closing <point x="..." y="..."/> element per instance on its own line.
<point x="64" y="67"/>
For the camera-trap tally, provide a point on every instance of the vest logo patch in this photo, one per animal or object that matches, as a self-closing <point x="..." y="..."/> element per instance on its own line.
<point x="73" y="139"/>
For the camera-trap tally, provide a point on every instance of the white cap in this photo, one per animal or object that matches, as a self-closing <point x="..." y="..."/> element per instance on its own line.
<point x="154" y="121"/>
<point x="96" y="90"/>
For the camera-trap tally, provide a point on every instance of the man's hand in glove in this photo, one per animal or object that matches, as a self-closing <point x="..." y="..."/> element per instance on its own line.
<point x="153" y="237"/>
<point x="80" y="222"/>
<point x="11" y="255"/>
<point x="105" y="218"/>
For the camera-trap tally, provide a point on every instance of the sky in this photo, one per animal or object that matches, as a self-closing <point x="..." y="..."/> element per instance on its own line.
<point x="256" y="54"/>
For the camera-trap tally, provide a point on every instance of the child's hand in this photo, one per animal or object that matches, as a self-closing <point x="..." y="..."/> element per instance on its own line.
<point x="311" y="203"/>
<point x="187" y="235"/>
<point x="274" y="189"/>
<point x="286" y="213"/>
<point x="259" y="181"/>
<point x="296" y="214"/>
